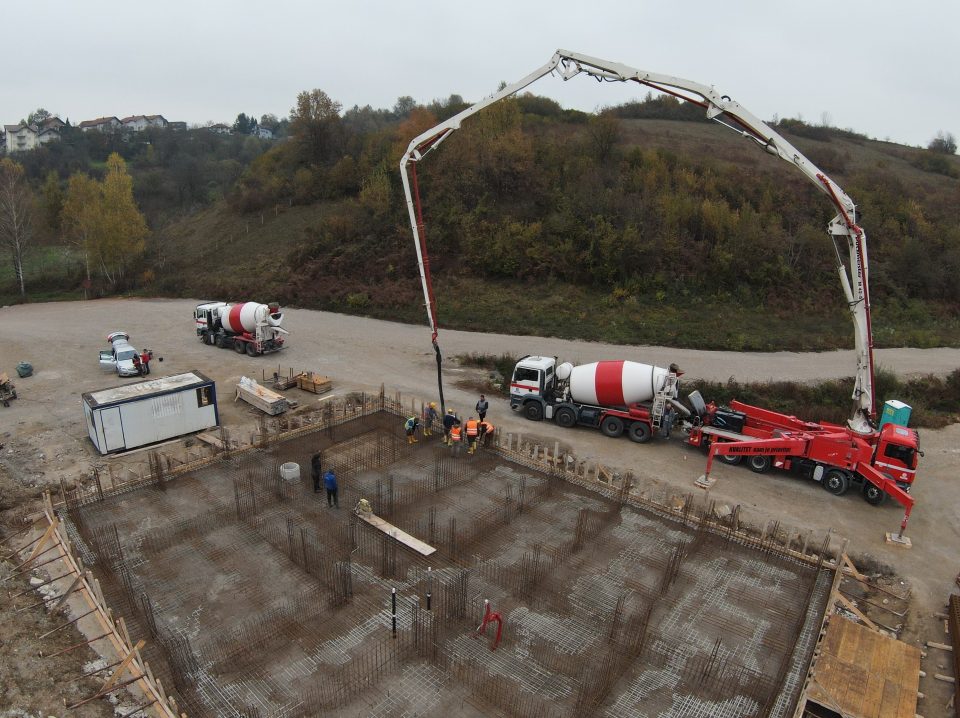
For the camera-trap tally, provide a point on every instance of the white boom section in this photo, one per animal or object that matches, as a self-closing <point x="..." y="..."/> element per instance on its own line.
<point x="721" y="108"/>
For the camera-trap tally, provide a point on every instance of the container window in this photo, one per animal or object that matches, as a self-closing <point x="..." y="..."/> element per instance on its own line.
<point x="203" y="396"/>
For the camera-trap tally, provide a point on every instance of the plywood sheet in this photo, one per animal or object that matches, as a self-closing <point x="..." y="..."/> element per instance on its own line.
<point x="863" y="674"/>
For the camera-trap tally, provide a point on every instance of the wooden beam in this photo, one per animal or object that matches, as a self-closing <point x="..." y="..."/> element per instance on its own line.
<point x="105" y="688"/>
<point x="848" y="604"/>
<point x="403" y="537"/>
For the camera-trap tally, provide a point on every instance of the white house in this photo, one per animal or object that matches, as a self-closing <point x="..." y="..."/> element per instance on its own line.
<point x="137" y="123"/>
<point x="22" y="137"/>
<point x="220" y="129"/>
<point x="263" y="133"/>
<point x="101" y="124"/>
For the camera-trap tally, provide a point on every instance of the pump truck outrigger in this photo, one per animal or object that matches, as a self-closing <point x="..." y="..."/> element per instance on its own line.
<point x="883" y="461"/>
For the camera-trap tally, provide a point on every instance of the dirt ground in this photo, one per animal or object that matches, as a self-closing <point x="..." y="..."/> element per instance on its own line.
<point x="44" y="439"/>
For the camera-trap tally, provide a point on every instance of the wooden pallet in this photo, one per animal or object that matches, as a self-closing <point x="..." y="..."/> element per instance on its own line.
<point x="315" y="383"/>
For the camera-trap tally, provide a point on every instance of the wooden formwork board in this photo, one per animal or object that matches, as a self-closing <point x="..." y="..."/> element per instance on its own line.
<point x="861" y="673"/>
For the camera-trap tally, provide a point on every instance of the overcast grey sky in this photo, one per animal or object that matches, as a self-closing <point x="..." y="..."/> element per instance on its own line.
<point x="888" y="69"/>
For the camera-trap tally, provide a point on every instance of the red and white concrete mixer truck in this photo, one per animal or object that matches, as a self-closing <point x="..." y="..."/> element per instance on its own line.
<point x="615" y="396"/>
<point x="242" y="326"/>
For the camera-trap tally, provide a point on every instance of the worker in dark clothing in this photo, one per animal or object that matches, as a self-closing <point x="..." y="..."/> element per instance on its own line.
<point x="482" y="407"/>
<point x="316" y="472"/>
<point x="330" y="483"/>
<point x="449" y="421"/>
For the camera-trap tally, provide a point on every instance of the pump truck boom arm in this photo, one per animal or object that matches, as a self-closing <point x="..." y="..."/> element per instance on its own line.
<point x="720" y="108"/>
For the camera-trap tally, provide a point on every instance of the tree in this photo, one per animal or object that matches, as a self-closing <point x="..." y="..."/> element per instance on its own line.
<point x="244" y="125"/>
<point x="80" y="217"/>
<point x="943" y="143"/>
<point x="16" y="215"/>
<point x="52" y="200"/>
<point x="270" y="121"/>
<point x="315" y="124"/>
<point x="404" y="106"/>
<point x="38" y="116"/>
<point x="604" y="134"/>
<point x="123" y="229"/>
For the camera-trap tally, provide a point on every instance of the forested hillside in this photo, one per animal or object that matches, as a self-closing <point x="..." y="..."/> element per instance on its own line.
<point x="641" y="224"/>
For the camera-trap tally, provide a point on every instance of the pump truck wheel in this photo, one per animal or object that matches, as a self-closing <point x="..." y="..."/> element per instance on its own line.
<point x="639" y="432"/>
<point x="836" y="482"/>
<point x="873" y="495"/>
<point x="732" y="459"/>
<point x="759" y="464"/>
<point x="612" y="426"/>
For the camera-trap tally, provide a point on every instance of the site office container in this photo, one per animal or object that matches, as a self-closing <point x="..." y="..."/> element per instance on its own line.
<point x="134" y="415"/>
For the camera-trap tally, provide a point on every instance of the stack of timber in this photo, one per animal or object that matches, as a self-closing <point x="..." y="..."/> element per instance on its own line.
<point x="316" y="383"/>
<point x="266" y="400"/>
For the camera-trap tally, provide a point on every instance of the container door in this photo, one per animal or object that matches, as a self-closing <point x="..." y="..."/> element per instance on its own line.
<point x="112" y="429"/>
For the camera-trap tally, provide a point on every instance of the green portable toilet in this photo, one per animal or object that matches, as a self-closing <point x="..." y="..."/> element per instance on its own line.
<point x="895" y="412"/>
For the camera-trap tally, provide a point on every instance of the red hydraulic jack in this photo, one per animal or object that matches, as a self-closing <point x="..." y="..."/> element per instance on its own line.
<point x="488" y="618"/>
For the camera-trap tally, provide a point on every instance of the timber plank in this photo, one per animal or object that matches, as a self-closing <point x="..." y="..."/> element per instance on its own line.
<point x="403" y="537"/>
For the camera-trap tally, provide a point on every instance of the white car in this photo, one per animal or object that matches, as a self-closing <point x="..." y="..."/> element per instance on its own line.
<point x="122" y="357"/>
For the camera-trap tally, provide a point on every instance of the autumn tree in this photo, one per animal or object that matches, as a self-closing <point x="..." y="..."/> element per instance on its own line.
<point x="123" y="229"/>
<point x="38" y="116"/>
<point x="315" y="125"/>
<point x="80" y="216"/>
<point x="16" y="215"/>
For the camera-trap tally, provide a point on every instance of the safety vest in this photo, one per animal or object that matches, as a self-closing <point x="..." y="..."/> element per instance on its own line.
<point x="455" y="433"/>
<point x="473" y="428"/>
<point x="487" y="427"/>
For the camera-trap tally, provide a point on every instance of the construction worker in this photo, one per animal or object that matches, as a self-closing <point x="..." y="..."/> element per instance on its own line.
<point x="330" y="484"/>
<point x="429" y="416"/>
<point x="410" y="426"/>
<point x="449" y="421"/>
<point x="482" y="407"/>
<point x="486" y="433"/>
<point x="473" y="433"/>
<point x="455" y="436"/>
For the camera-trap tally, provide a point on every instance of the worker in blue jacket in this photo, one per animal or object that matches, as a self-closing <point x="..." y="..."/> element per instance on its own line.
<point x="330" y="483"/>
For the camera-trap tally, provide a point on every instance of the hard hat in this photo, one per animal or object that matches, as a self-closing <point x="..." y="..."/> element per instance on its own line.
<point x="449" y="411"/>
<point x="433" y="405"/>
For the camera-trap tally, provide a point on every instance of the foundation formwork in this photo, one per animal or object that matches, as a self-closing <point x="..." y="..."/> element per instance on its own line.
<point x="262" y="601"/>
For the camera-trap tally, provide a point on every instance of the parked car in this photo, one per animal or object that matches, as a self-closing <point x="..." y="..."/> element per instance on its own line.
<point x="123" y="356"/>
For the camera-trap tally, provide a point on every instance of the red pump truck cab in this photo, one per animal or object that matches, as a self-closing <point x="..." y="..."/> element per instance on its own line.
<point x="881" y="463"/>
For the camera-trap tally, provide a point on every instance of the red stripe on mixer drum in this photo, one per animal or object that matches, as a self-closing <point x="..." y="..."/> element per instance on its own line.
<point x="234" y="318"/>
<point x="609" y="383"/>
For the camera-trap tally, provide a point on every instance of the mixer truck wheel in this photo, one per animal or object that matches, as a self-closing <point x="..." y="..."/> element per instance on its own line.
<point x="612" y="426"/>
<point x="759" y="464"/>
<point x="251" y="349"/>
<point x="836" y="482"/>
<point x="565" y="417"/>
<point x="873" y="495"/>
<point x="639" y="432"/>
<point x="238" y="346"/>
<point x="533" y="411"/>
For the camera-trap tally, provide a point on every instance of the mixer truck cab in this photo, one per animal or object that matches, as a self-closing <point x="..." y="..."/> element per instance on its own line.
<point x="615" y="396"/>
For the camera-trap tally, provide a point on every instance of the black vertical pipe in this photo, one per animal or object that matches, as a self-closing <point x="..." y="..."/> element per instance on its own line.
<point x="429" y="586"/>
<point x="393" y="599"/>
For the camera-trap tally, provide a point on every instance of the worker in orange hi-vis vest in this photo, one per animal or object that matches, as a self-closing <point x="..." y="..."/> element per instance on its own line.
<point x="456" y="436"/>
<point x="486" y="433"/>
<point x="473" y="433"/>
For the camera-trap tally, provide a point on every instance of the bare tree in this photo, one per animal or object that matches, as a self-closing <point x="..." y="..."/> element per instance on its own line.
<point x="944" y="143"/>
<point x="16" y="215"/>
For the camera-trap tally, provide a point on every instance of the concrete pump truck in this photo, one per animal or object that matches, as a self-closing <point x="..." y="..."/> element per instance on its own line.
<point x="881" y="462"/>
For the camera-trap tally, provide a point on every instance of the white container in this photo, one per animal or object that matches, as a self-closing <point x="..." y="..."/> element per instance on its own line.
<point x="616" y="383"/>
<point x="290" y="471"/>
<point x="133" y="415"/>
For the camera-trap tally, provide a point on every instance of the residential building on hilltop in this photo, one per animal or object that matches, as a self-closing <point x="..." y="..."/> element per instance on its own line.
<point x="137" y="123"/>
<point x="101" y="124"/>
<point x="24" y="137"/>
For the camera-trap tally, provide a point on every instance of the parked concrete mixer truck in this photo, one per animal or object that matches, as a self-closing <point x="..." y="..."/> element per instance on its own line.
<point x="244" y="326"/>
<point x="614" y="396"/>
